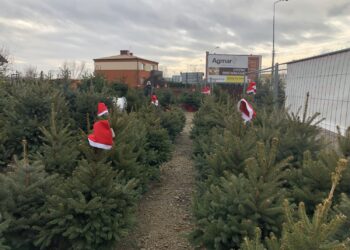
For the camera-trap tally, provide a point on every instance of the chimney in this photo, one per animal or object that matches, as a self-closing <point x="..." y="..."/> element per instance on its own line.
<point x="124" y="52"/>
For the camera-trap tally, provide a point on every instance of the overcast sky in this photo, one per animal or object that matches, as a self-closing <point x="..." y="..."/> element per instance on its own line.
<point x="176" y="33"/>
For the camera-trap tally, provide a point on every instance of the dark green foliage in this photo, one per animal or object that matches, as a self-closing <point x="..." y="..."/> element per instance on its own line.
<point x="26" y="108"/>
<point x="136" y="100"/>
<point x="159" y="143"/>
<point x="193" y="99"/>
<point x="3" y="226"/>
<point x="90" y="203"/>
<point x="159" y="146"/>
<point x="301" y="135"/>
<point x="316" y="233"/>
<point x="343" y="207"/>
<point x="121" y="89"/>
<point x="129" y="155"/>
<point x="344" y="142"/>
<point x="297" y="134"/>
<point x="228" y="152"/>
<point x="59" y="152"/>
<point x="310" y="183"/>
<point x="84" y="109"/>
<point x="26" y="190"/>
<point x="173" y="121"/>
<point x="232" y="209"/>
<point x="210" y="115"/>
<point x="91" y="210"/>
<point x="166" y="98"/>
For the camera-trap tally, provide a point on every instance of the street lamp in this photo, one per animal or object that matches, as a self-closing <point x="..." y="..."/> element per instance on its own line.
<point x="273" y="35"/>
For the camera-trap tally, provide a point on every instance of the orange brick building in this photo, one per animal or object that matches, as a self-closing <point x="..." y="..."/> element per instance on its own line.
<point x="125" y="68"/>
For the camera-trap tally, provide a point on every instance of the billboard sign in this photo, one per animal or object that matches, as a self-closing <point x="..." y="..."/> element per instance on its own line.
<point x="222" y="68"/>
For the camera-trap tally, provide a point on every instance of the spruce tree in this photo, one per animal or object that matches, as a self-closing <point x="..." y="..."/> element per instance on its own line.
<point x="316" y="233"/>
<point x="26" y="189"/>
<point x="91" y="210"/>
<point x="231" y="210"/>
<point x="3" y="227"/>
<point x="129" y="155"/>
<point x="344" y="142"/>
<point x="26" y="110"/>
<point x="59" y="152"/>
<point x="343" y="207"/>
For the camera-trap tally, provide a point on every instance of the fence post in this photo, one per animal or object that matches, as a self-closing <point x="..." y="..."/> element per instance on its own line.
<point x="245" y="84"/>
<point x="275" y="85"/>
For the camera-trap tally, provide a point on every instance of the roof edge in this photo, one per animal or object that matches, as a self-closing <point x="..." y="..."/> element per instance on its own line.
<point x="318" y="56"/>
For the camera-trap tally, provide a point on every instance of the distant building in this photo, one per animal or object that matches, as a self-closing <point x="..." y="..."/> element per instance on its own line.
<point x="192" y="77"/>
<point x="125" y="67"/>
<point x="176" y="78"/>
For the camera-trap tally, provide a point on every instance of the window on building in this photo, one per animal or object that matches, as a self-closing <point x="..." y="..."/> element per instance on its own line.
<point x="142" y="66"/>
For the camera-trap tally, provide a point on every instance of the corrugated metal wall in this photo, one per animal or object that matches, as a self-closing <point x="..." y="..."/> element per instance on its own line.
<point x="327" y="79"/>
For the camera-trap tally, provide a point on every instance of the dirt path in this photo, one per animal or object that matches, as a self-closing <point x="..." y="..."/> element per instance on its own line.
<point x="163" y="216"/>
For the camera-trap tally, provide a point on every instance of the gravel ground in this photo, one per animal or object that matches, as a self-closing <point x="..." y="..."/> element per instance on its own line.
<point x="164" y="213"/>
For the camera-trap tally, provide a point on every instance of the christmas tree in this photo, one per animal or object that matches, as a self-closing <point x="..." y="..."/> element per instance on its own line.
<point x="23" y="200"/>
<point x="231" y="210"/>
<point x="344" y="142"/>
<point x="27" y="109"/>
<point x="90" y="210"/>
<point x="302" y="232"/>
<point x="59" y="152"/>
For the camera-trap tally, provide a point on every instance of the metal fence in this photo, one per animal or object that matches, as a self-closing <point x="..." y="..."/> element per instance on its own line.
<point x="326" y="78"/>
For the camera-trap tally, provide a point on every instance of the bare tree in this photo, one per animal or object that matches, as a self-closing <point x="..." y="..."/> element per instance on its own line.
<point x="31" y="72"/>
<point x="72" y="70"/>
<point x="4" y="59"/>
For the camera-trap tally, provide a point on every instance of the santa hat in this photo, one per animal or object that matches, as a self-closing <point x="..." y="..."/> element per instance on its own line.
<point x="154" y="98"/>
<point x="251" y="88"/>
<point x="206" y="90"/>
<point x="101" y="109"/>
<point x="102" y="135"/>
<point x="246" y="109"/>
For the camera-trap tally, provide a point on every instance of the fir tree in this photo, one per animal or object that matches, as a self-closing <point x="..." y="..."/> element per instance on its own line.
<point x="173" y="121"/>
<point x="301" y="134"/>
<point x="302" y="232"/>
<point x="26" y="188"/>
<point x="254" y="244"/>
<point x="231" y="210"/>
<point x="91" y="210"/>
<point x="343" y="207"/>
<point x="59" y="152"/>
<point x="129" y="153"/>
<point x="315" y="233"/>
<point x="27" y="110"/>
<point x="3" y="227"/>
<point x="344" y="142"/>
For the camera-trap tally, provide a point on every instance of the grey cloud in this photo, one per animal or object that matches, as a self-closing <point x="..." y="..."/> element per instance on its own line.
<point x="166" y="29"/>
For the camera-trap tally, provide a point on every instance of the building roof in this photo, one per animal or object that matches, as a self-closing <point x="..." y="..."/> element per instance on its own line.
<point x="123" y="58"/>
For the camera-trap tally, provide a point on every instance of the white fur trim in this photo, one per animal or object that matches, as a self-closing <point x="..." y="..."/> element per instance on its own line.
<point x="102" y="113"/>
<point x="99" y="145"/>
<point x="246" y="117"/>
